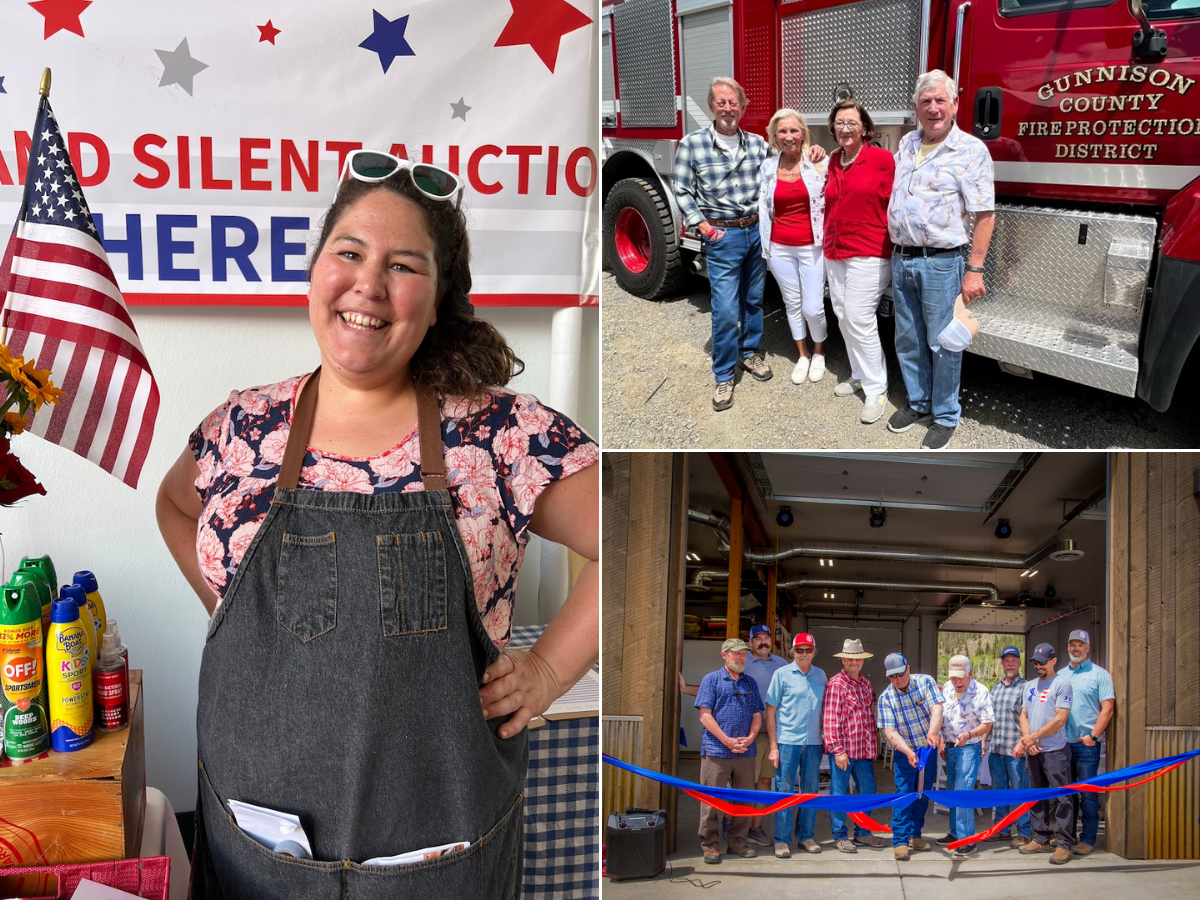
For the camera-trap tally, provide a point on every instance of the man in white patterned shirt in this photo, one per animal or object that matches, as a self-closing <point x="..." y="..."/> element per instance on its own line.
<point x="966" y="720"/>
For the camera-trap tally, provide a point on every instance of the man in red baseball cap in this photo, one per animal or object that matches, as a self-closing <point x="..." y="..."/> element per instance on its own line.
<point x="794" y="706"/>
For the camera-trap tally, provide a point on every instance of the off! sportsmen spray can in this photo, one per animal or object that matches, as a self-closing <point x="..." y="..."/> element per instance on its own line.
<point x="42" y="592"/>
<point x="69" y="675"/>
<point x="45" y="565"/>
<point x="23" y="694"/>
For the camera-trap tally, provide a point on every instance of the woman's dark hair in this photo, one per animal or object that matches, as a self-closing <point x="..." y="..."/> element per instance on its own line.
<point x="461" y="355"/>
<point x="851" y="103"/>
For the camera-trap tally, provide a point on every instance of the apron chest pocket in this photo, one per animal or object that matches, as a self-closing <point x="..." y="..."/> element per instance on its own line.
<point x="412" y="582"/>
<point x="306" y="591"/>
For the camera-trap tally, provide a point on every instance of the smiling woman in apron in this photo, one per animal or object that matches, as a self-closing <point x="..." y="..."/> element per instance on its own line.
<point x="355" y="535"/>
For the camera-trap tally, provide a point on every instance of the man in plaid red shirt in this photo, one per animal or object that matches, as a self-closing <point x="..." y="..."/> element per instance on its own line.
<point x="850" y="740"/>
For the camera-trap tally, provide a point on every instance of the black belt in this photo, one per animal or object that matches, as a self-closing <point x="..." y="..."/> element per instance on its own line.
<point x="926" y="251"/>
<point x="734" y="223"/>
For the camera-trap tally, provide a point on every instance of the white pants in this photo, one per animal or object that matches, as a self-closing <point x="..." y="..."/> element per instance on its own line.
<point x="800" y="274"/>
<point x="855" y="286"/>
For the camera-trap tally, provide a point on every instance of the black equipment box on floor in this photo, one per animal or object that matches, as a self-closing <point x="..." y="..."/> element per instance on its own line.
<point x="636" y="844"/>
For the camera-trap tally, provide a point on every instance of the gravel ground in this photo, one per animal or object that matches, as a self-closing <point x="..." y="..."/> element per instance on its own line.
<point x="657" y="393"/>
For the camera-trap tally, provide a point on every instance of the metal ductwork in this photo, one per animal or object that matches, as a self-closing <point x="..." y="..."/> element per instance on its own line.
<point x="715" y="521"/>
<point x="920" y="587"/>
<point x="1061" y="547"/>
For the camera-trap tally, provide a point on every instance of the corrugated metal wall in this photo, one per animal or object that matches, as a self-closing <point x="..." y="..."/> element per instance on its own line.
<point x="621" y="737"/>
<point x="1154" y="648"/>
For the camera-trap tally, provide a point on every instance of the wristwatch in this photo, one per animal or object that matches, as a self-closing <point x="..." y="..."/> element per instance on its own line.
<point x="976" y="269"/>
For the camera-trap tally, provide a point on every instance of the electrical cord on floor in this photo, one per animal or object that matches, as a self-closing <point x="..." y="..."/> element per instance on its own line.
<point x="697" y="882"/>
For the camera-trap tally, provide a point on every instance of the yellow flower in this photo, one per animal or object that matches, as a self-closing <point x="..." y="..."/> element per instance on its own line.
<point x="14" y="422"/>
<point x="38" y="386"/>
<point x="10" y="364"/>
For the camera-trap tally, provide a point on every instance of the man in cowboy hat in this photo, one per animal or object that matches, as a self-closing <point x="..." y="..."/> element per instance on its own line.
<point x="850" y="740"/>
<point x="731" y="712"/>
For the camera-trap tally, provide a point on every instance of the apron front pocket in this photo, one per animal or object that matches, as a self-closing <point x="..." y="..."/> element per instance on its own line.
<point x="306" y="593"/>
<point x="412" y="582"/>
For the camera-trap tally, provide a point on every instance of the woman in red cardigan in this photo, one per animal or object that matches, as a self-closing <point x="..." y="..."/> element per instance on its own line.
<point x="858" y="250"/>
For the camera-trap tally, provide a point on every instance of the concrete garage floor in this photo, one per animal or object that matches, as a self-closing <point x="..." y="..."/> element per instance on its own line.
<point x="996" y="871"/>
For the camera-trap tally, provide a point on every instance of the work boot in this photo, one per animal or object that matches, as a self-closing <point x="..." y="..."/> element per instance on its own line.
<point x="782" y="851"/>
<point x="712" y="857"/>
<point x="847" y="846"/>
<point x="757" y="366"/>
<point x="746" y="852"/>
<point x="1061" y="855"/>
<point x="900" y="851"/>
<point x="810" y="846"/>
<point x="871" y="840"/>
<point x="918" y="844"/>
<point x="1081" y="849"/>
<point x="1018" y="842"/>
<point x="1035" y="847"/>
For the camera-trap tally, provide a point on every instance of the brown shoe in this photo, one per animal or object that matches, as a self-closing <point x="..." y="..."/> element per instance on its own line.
<point x="723" y="396"/>
<point x="810" y="846"/>
<point x="757" y="366"/>
<point x="847" y="846"/>
<point x="918" y="844"/>
<point x="782" y="851"/>
<point x="1061" y="856"/>
<point x="1018" y="842"/>
<point x="1081" y="849"/>
<point x="746" y="852"/>
<point x="900" y="851"/>
<point x="712" y="857"/>
<point x="1034" y="847"/>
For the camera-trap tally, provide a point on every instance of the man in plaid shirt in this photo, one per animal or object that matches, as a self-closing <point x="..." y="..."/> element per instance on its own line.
<point x="850" y="740"/>
<point x="1008" y="771"/>
<point x="910" y="714"/>
<point x="716" y="185"/>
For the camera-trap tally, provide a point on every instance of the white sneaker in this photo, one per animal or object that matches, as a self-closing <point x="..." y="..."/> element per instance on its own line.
<point x="800" y="373"/>
<point x="847" y="388"/>
<point x="873" y="409"/>
<point x="816" y="370"/>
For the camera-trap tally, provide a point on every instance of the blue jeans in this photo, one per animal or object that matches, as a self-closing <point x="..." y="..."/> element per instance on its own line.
<point x="908" y="821"/>
<point x="807" y="759"/>
<point x="1085" y="763"/>
<point x="863" y="772"/>
<point x="1009" y="774"/>
<point x="735" y="272"/>
<point x="924" y="290"/>
<point x="962" y="769"/>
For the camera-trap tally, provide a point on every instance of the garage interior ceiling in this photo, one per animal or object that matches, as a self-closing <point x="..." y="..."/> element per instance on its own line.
<point x="935" y="501"/>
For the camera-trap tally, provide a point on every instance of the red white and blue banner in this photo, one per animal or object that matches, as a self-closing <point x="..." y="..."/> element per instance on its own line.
<point x="737" y="802"/>
<point x="209" y="136"/>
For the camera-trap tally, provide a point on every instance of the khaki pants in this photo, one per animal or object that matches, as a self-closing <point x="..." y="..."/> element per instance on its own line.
<point x="762" y="763"/>
<point x="715" y="771"/>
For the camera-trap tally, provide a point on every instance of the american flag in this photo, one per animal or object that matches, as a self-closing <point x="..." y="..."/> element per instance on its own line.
<point x="62" y="307"/>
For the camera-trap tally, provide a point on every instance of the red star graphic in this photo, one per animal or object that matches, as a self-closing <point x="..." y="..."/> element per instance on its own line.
<point x="541" y="24"/>
<point x="267" y="32"/>
<point x="61" y="15"/>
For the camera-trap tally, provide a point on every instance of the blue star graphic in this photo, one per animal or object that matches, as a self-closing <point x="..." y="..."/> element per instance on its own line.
<point x="388" y="39"/>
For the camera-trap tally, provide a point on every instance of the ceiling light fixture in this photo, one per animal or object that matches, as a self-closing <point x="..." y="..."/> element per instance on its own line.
<point x="878" y="516"/>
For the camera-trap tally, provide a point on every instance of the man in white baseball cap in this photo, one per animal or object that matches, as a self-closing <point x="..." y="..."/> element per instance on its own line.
<point x="966" y="720"/>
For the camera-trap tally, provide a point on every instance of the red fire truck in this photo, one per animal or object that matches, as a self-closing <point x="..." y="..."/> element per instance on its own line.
<point x="1090" y="108"/>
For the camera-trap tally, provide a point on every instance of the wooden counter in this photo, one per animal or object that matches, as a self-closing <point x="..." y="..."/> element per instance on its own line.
<point x="86" y="806"/>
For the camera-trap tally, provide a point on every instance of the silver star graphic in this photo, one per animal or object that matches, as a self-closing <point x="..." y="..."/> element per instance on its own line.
<point x="55" y="149"/>
<point x="45" y="135"/>
<point x="41" y="159"/>
<point x="70" y="214"/>
<point x="37" y="210"/>
<point x="460" y="109"/>
<point x="179" y="67"/>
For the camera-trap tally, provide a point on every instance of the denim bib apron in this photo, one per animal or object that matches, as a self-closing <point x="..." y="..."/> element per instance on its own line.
<point x="339" y="682"/>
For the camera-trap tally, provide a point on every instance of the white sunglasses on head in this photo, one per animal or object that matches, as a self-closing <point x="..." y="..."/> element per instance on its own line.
<point x="374" y="166"/>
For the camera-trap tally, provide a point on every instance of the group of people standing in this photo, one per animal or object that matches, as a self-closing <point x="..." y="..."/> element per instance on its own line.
<point x="1044" y="732"/>
<point x="859" y="220"/>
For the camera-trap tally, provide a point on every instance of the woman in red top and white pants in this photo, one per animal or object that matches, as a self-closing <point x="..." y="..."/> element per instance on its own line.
<point x="858" y="250"/>
<point x="791" y="197"/>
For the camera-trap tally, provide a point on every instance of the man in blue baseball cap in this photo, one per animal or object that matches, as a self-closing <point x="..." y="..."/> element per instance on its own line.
<point x="910" y="714"/>
<point x="761" y="665"/>
<point x="1008" y="771"/>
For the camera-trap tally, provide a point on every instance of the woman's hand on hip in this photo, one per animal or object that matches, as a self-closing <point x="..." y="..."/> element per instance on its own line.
<point x="518" y="682"/>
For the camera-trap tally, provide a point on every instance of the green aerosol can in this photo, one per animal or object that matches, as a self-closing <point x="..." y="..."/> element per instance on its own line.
<point x="44" y="565"/>
<point x="24" y="702"/>
<point x="36" y="579"/>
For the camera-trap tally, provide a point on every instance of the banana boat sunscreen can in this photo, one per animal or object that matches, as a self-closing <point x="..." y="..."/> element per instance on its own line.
<point x="69" y="675"/>
<point x="45" y="565"/>
<point x="95" y="606"/>
<point x="43" y="590"/>
<point x="23" y="695"/>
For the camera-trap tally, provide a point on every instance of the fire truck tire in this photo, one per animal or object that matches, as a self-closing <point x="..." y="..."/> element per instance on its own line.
<point x="640" y="244"/>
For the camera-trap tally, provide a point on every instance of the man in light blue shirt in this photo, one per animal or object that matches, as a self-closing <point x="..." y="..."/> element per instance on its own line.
<point x="794" y="730"/>
<point x="1091" y="710"/>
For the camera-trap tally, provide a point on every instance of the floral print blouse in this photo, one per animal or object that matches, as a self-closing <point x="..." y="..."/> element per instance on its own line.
<point x="502" y="451"/>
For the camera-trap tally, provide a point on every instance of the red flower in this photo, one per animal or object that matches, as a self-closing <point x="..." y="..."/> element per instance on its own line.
<point x="16" y="482"/>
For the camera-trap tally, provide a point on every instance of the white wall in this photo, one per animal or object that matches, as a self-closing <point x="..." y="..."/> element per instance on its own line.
<point x="89" y="520"/>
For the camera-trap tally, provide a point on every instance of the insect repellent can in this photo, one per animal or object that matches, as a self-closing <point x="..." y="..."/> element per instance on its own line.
<point x="45" y="591"/>
<point x="24" y="724"/>
<point x="69" y="677"/>
<point x="95" y="606"/>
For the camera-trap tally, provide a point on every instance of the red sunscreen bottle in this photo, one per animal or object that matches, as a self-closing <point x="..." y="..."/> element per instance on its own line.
<point x="112" y="697"/>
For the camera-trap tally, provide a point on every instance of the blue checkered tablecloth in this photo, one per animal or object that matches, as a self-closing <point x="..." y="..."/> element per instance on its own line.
<point x="562" y="803"/>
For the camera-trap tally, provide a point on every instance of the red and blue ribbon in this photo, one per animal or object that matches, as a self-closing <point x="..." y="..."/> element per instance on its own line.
<point x="737" y="802"/>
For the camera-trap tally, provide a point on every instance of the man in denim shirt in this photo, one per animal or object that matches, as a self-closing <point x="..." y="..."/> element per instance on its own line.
<point x="1094" y="699"/>
<point x="1008" y="772"/>
<point x="942" y="175"/>
<point x="731" y="712"/>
